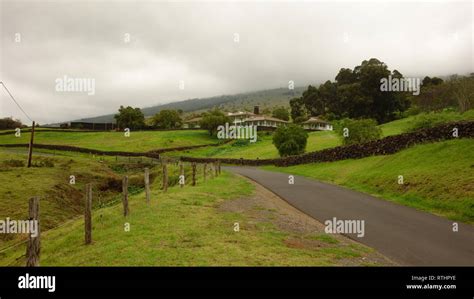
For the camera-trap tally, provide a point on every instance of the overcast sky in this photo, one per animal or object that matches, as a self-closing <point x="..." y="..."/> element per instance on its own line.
<point x="195" y="42"/>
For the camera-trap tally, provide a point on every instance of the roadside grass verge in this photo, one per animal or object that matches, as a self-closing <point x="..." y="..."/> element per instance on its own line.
<point x="438" y="177"/>
<point x="186" y="227"/>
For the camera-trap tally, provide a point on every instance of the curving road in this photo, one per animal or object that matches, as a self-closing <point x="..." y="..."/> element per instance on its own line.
<point x="405" y="235"/>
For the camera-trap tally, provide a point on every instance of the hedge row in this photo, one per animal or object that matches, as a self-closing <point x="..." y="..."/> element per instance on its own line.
<point x="385" y="146"/>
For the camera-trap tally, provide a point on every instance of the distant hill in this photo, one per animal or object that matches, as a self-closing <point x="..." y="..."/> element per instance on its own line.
<point x="266" y="99"/>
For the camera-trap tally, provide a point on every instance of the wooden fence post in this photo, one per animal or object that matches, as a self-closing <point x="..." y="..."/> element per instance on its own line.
<point x="212" y="170"/>
<point x="125" y="196"/>
<point x="30" y="148"/>
<point x="219" y="167"/>
<point x="33" y="248"/>
<point x="88" y="215"/>
<point x="181" y="172"/>
<point x="147" y="184"/>
<point x="165" y="176"/>
<point x="204" y="171"/>
<point x="193" y="165"/>
<point x="215" y="168"/>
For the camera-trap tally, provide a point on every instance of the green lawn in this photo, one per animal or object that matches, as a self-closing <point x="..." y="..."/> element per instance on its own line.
<point x="438" y="177"/>
<point x="140" y="141"/>
<point x="262" y="149"/>
<point x="187" y="227"/>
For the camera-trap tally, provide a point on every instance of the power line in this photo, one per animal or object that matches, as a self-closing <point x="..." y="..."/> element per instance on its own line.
<point x="11" y="96"/>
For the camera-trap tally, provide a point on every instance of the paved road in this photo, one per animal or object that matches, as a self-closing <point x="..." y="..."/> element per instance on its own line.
<point x="405" y="235"/>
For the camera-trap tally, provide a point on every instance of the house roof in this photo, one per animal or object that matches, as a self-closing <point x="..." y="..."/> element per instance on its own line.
<point x="240" y="113"/>
<point x="264" y="117"/>
<point x="193" y="120"/>
<point x="313" y="120"/>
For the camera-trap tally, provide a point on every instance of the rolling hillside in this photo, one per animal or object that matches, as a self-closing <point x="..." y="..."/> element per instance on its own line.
<point x="264" y="98"/>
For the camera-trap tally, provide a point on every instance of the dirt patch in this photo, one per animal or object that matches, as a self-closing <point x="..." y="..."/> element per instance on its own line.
<point x="304" y="231"/>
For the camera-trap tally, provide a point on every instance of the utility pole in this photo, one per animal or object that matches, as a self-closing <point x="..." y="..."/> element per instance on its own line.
<point x="30" y="149"/>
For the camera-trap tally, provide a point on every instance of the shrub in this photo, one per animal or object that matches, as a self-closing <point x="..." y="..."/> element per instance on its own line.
<point x="13" y="163"/>
<point x="359" y="131"/>
<point x="290" y="140"/>
<point x="43" y="163"/>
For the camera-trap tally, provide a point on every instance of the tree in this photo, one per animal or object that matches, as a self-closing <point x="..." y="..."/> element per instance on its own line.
<point x="213" y="119"/>
<point x="167" y="119"/>
<point x="431" y="81"/>
<point x="358" y="131"/>
<point x="290" y="140"/>
<point x="463" y="93"/>
<point x="356" y="94"/>
<point x="129" y="117"/>
<point x="426" y="81"/>
<point x="298" y="110"/>
<point x="281" y="113"/>
<point x="346" y="76"/>
<point x="10" y="123"/>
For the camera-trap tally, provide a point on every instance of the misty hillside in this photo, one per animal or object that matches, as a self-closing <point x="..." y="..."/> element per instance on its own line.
<point x="244" y="101"/>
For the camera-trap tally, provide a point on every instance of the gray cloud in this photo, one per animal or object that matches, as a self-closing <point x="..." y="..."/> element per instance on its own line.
<point x="307" y="42"/>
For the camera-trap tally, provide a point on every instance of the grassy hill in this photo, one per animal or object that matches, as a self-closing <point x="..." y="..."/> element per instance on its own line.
<point x="264" y="148"/>
<point x="261" y="149"/>
<point x="49" y="179"/>
<point x="438" y="177"/>
<point x="140" y="141"/>
<point x="265" y="98"/>
<point x="194" y="226"/>
<point x="402" y="125"/>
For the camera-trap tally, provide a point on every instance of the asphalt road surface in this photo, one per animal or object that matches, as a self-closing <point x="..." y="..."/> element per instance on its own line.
<point x="403" y="234"/>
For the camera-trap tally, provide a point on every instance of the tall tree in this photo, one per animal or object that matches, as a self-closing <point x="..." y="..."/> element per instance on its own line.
<point x="167" y="119"/>
<point x="213" y="119"/>
<point x="129" y="117"/>
<point x="281" y="113"/>
<point x="298" y="110"/>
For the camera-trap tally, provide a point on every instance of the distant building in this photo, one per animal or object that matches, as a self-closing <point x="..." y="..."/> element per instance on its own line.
<point x="88" y="126"/>
<point x="192" y="123"/>
<point x="239" y="117"/>
<point x="264" y="122"/>
<point x="317" y="124"/>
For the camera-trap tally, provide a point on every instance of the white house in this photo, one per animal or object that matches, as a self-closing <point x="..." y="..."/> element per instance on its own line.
<point x="317" y="124"/>
<point x="239" y="117"/>
<point x="192" y="123"/>
<point x="263" y="121"/>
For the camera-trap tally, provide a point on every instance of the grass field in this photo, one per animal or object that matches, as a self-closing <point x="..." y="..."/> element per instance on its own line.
<point x="438" y="177"/>
<point x="402" y="125"/>
<point x="140" y="141"/>
<point x="49" y="179"/>
<point x="262" y="149"/>
<point x="189" y="227"/>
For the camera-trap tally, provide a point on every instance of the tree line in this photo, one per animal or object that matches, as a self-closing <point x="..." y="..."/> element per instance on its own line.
<point x="357" y="94"/>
